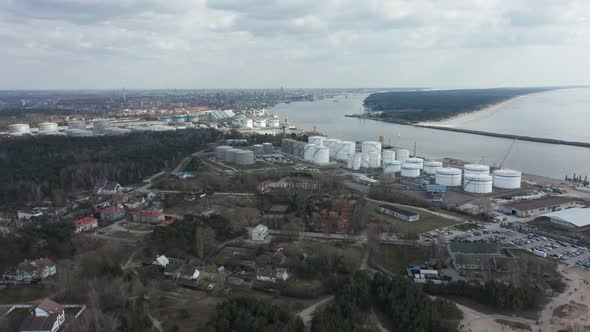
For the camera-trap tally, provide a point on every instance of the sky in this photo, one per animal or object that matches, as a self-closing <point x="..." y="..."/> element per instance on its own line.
<point x="86" y="44"/>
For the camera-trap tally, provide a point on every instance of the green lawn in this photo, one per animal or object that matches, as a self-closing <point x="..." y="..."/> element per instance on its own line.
<point x="22" y="293"/>
<point x="396" y="258"/>
<point x="427" y="222"/>
<point x="467" y="226"/>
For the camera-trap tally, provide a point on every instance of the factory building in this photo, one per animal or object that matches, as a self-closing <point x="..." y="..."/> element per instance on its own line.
<point x="393" y="211"/>
<point x="537" y="207"/>
<point x="574" y="218"/>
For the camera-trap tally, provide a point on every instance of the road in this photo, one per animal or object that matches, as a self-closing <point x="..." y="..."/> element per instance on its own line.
<point x="307" y="314"/>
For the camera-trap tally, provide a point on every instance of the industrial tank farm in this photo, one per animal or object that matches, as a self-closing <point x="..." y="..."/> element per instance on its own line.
<point x="478" y="183"/>
<point x="317" y="140"/>
<point x="343" y="149"/>
<point x="476" y="169"/>
<point x="392" y="167"/>
<point x="388" y="156"/>
<point x="450" y="177"/>
<point x="19" y="129"/>
<point x="47" y="127"/>
<point x="309" y="152"/>
<point x="354" y="161"/>
<point x="321" y="155"/>
<point x="507" y="179"/>
<point x="77" y="124"/>
<point x="410" y="170"/>
<point x="416" y="161"/>
<point x="431" y="166"/>
<point x="402" y="155"/>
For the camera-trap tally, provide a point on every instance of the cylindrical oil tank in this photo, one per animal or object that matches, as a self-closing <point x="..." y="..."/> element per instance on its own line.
<point x="322" y="155"/>
<point x="258" y="149"/>
<point x="192" y="118"/>
<point x="392" y="167"/>
<point x="166" y="118"/>
<point x="507" y="179"/>
<point x="19" y="128"/>
<point x="79" y="132"/>
<point x="244" y="157"/>
<point x="388" y="156"/>
<point x="46" y="127"/>
<point x="450" y="177"/>
<point x="116" y="131"/>
<point x="267" y="148"/>
<point x="343" y="149"/>
<point x="476" y="169"/>
<point x="220" y="151"/>
<point x="410" y="170"/>
<point x="331" y="144"/>
<point x="369" y="146"/>
<point x="317" y="140"/>
<point x="260" y="123"/>
<point x="402" y="155"/>
<point x="230" y="155"/>
<point x="299" y="149"/>
<point x="287" y="145"/>
<point x="178" y="118"/>
<point x="431" y="166"/>
<point x="374" y="159"/>
<point x="416" y="161"/>
<point x="309" y="152"/>
<point x="356" y="161"/>
<point x="77" y="124"/>
<point x="478" y="183"/>
<point x="101" y="125"/>
<point x="273" y="123"/>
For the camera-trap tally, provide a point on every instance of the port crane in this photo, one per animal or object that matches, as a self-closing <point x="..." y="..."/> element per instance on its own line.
<point x="507" y="154"/>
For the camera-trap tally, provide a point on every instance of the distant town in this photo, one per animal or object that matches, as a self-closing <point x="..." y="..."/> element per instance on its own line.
<point x="180" y="210"/>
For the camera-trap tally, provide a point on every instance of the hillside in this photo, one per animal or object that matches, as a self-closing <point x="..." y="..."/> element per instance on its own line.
<point x="417" y="106"/>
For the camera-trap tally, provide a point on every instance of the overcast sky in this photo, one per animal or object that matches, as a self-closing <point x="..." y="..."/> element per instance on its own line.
<point x="293" y="43"/>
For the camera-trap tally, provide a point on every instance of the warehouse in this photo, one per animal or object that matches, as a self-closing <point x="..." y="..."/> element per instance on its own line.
<point x="575" y="218"/>
<point x="398" y="213"/>
<point x="537" y="207"/>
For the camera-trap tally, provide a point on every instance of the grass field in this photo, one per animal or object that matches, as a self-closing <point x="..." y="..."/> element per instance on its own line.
<point x="396" y="258"/>
<point x="22" y="293"/>
<point x="427" y="222"/>
<point x="467" y="226"/>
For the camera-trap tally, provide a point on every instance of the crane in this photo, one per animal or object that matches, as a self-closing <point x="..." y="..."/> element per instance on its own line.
<point x="507" y="154"/>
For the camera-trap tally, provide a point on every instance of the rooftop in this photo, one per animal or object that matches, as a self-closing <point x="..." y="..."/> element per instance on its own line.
<point x="475" y="248"/>
<point x="398" y="210"/>
<point x="149" y="213"/>
<point x="539" y="203"/>
<point x="579" y="217"/>
<point x="84" y="221"/>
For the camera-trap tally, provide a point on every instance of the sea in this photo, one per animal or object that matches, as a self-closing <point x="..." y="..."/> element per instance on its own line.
<point x="560" y="114"/>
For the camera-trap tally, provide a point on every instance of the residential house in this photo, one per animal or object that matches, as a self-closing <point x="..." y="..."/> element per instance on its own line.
<point x="271" y="274"/>
<point x="111" y="213"/>
<point x="162" y="261"/>
<point x="106" y="187"/>
<point x="85" y="224"/>
<point x="259" y="233"/>
<point x="47" y="316"/>
<point x="148" y="216"/>
<point x="28" y="271"/>
<point x="182" y="271"/>
<point x="135" y="202"/>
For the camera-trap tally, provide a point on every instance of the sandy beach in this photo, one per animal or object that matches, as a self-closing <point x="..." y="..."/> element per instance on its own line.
<point x="464" y="118"/>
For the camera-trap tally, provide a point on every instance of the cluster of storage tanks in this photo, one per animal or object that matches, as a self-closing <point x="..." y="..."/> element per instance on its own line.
<point x="78" y="128"/>
<point x="179" y="118"/>
<point x="262" y="149"/>
<point x="258" y="123"/>
<point x="476" y="178"/>
<point x="232" y="155"/>
<point x="315" y="152"/>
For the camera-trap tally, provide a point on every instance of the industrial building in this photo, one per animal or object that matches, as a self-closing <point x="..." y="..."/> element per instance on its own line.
<point x="537" y="207"/>
<point x="398" y="213"/>
<point x="574" y="218"/>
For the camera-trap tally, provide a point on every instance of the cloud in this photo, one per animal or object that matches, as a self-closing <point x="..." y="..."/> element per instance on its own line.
<point x="208" y="43"/>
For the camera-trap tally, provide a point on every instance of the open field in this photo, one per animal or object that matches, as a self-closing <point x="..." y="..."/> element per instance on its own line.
<point x="22" y="293"/>
<point x="467" y="226"/>
<point x="396" y="258"/>
<point x="427" y="222"/>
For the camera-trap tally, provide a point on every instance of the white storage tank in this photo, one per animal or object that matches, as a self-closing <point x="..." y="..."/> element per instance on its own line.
<point x="316" y="140"/>
<point x="46" y="127"/>
<point x="321" y="155"/>
<point x="402" y="155"/>
<point x="478" y="183"/>
<point x="116" y="131"/>
<point x="309" y="152"/>
<point x="450" y="177"/>
<point x="299" y="149"/>
<point x="19" y="128"/>
<point x="374" y="159"/>
<point x="431" y="166"/>
<point x="507" y="179"/>
<point x="230" y="155"/>
<point x="260" y="123"/>
<point x="259" y="149"/>
<point x="247" y="123"/>
<point x="267" y="148"/>
<point x="79" y="133"/>
<point x="343" y="149"/>
<point x="476" y="169"/>
<point x="370" y="146"/>
<point x="392" y="167"/>
<point x="388" y="156"/>
<point x="410" y="170"/>
<point x="101" y="125"/>
<point x="354" y="161"/>
<point x="244" y="157"/>
<point x="331" y="144"/>
<point x="220" y="151"/>
<point x="77" y="124"/>
<point x="416" y="161"/>
<point x="273" y="123"/>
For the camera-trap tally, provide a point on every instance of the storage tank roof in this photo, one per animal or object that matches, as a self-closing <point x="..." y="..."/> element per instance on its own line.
<point x="410" y="166"/>
<point x="476" y="167"/>
<point x="478" y="177"/>
<point x="507" y="173"/>
<point x="448" y="171"/>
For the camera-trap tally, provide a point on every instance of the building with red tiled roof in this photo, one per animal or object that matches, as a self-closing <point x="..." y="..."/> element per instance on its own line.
<point x="148" y="216"/>
<point x="84" y="224"/>
<point x="112" y="213"/>
<point x="288" y="183"/>
<point x="47" y="316"/>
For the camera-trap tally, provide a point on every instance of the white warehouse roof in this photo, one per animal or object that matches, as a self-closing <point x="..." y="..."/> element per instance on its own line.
<point x="574" y="217"/>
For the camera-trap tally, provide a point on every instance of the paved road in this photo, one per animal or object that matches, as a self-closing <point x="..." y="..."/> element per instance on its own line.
<point x="307" y="314"/>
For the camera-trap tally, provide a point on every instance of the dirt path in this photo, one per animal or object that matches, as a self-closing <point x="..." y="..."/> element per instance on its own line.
<point x="307" y="314"/>
<point x="477" y="321"/>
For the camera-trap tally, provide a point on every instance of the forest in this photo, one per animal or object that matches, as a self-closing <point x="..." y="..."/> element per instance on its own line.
<point x="431" y="105"/>
<point x="404" y="306"/>
<point x="50" y="167"/>
<point x="493" y="293"/>
<point x="249" y="314"/>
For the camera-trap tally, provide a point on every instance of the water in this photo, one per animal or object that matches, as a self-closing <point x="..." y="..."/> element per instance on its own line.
<point x="549" y="160"/>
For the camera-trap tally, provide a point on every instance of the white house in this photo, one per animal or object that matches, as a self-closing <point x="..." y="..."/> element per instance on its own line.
<point x="282" y="274"/>
<point x="162" y="261"/>
<point x="47" y="316"/>
<point x="259" y="233"/>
